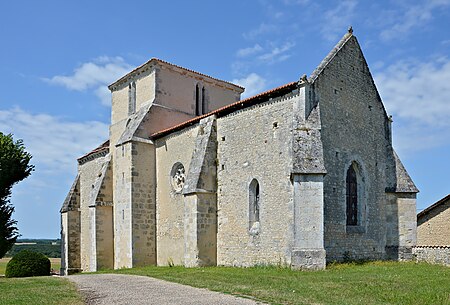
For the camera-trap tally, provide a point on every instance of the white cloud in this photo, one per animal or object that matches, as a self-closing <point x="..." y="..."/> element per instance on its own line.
<point x="418" y="95"/>
<point x="262" y="29"/>
<point x="410" y="18"/>
<point x="104" y="95"/>
<point x="336" y="20"/>
<point x="249" y="51"/>
<point x="93" y="75"/>
<point x="253" y="84"/>
<point x="277" y="54"/>
<point x="54" y="143"/>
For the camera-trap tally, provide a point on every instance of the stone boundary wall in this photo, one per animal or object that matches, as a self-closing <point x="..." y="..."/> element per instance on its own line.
<point x="432" y="254"/>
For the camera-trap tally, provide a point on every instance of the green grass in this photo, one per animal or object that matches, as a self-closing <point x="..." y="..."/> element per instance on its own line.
<point x="369" y="283"/>
<point x="38" y="290"/>
<point x="56" y="264"/>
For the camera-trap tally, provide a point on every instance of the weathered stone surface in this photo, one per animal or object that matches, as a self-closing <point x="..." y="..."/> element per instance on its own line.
<point x="433" y="224"/>
<point x="305" y="259"/>
<point x="258" y="181"/>
<point x="432" y="254"/>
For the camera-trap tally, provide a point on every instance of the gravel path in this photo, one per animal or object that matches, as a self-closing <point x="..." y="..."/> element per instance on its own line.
<point x="133" y="289"/>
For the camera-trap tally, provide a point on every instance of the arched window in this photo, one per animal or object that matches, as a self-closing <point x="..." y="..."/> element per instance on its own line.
<point x="198" y="105"/>
<point x="352" y="196"/>
<point x="204" y="106"/>
<point x="131" y="98"/>
<point x="254" y="206"/>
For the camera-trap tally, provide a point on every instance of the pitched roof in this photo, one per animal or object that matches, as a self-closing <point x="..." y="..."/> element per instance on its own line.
<point x="102" y="147"/>
<point x="404" y="181"/>
<point x="70" y="203"/>
<point x="331" y="55"/>
<point x="433" y="206"/>
<point x="261" y="97"/>
<point x="160" y="61"/>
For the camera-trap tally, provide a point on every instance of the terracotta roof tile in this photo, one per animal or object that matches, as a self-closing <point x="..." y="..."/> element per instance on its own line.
<point x="103" y="146"/>
<point x="230" y="108"/>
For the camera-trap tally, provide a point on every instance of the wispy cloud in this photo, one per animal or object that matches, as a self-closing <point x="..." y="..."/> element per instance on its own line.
<point x="296" y="2"/>
<point x="277" y="53"/>
<point x="253" y="84"/>
<point x="54" y="143"/>
<point x="411" y="17"/>
<point x="94" y="75"/>
<point x="337" y="19"/>
<point x="263" y="28"/>
<point x="249" y="51"/>
<point x="418" y="95"/>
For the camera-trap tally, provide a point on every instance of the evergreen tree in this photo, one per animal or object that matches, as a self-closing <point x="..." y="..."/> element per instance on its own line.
<point x="14" y="167"/>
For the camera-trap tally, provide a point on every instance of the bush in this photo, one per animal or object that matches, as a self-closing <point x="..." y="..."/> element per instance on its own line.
<point x="28" y="263"/>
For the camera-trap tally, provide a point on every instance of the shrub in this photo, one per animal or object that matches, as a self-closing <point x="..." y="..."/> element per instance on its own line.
<point x="28" y="263"/>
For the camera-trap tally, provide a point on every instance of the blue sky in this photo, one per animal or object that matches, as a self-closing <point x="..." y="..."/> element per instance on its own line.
<point x="56" y="58"/>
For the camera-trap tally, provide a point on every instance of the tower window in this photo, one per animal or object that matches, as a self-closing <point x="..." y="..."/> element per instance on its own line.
<point x="204" y="106"/>
<point x="131" y="98"/>
<point x="198" y="105"/>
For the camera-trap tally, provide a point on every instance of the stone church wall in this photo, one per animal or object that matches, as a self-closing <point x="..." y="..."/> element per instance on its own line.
<point x="353" y="130"/>
<point x="89" y="171"/>
<point x="171" y="150"/>
<point x="145" y="93"/>
<point x="183" y="98"/>
<point x="122" y="209"/>
<point x="143" y="204"/>
<point x="255" y="143"/>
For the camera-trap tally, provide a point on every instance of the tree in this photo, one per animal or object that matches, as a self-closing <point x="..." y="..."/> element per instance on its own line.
<point x="14" y="167"/>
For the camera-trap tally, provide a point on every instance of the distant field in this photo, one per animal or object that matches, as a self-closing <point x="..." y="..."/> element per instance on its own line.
<point x="56" y="264"/>
<point x="48" y="247"/>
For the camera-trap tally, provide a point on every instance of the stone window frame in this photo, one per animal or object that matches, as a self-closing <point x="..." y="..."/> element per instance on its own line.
<point x="201" y="103"/>
<point x="131" y="98"/>
<point x="254" y="207"/>
<point x="361" y="208"/>
<point x="177" y="177"/>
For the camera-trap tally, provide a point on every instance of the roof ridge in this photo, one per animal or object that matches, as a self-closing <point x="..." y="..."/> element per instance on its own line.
<point x="434" y="205"/>
<point x="324" y="63"/>
<point x="154" y="59"/>
<point x="224" y="108"/>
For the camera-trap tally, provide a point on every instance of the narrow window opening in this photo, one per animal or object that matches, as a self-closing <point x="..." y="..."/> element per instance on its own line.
<point x="254" y="207"/>
<point x="198" y="110"/>
<point x="131" y="98"/>
<point x="204" y="106"/>
<point x="352" y="197"/>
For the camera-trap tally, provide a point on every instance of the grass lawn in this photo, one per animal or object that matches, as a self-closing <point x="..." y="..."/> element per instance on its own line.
<point x="56" y="264"/>
<point x="369" y="283"/>
<point x="38" y="290"/>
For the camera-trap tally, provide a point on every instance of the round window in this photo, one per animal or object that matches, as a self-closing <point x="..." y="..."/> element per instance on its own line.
<point x="178" y="176"/>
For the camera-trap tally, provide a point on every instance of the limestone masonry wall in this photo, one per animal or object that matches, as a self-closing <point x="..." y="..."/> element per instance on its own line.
<point x="432" y="254"/>
<point x="255" y="143"/>
<point x="143" y="204"/>
<point x="176" y="148"/>
<point x="433" y="228"/>
<point x="353" y="130"/>
<point x="122" y="206"/>
<point x="89" y="172"/>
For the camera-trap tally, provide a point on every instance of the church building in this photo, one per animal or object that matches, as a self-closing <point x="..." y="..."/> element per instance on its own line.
<point x="300" y="175"/>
